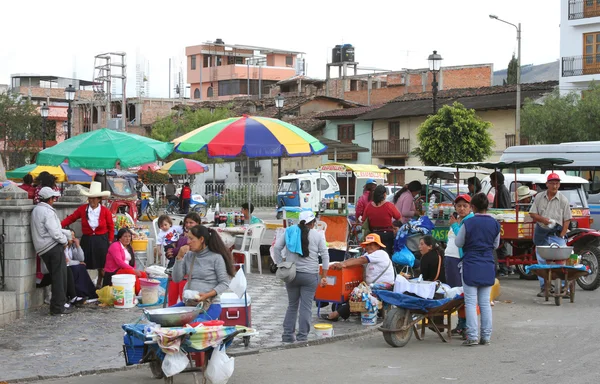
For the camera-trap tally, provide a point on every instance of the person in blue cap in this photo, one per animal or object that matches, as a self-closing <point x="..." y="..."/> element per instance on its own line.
<point x="366" y="197"/>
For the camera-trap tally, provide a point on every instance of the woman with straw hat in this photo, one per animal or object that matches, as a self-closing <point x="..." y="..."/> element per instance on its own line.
<point x="97" y="227"/>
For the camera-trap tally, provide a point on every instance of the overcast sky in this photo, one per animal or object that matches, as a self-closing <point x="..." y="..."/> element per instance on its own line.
<point x="62" y="37"/>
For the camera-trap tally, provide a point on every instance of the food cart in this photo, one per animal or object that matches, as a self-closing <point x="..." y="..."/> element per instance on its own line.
<point x="516" y="228"/>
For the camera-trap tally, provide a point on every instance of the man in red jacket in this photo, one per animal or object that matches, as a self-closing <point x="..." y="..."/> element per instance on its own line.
<point x="186" y="197"/>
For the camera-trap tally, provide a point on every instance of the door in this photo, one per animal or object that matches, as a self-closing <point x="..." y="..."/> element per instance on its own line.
<point x="591" y="8"/>
<point x="288" y="195"/>
<point x="306" y="195"/>
<point x="591" y="53"/>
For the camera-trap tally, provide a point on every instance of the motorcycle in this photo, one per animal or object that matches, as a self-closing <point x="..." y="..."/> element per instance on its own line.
<point x="586" y="243"/>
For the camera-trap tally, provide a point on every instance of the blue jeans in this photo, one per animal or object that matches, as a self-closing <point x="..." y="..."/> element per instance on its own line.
<point x="549" y="240"/>
<point x="481" y="296"/>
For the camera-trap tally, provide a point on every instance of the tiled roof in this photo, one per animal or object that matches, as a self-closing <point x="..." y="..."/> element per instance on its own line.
<point x="347" y="112"/>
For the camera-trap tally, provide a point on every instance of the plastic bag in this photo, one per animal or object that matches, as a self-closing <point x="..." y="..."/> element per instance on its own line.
<point x="239" y="284"/>
<point x="106" y="295"/>
<point x="174" y="363"/>
<point x="220" y="366"/>
<point x="188" y="294"/>
<point x="404" y="257"/>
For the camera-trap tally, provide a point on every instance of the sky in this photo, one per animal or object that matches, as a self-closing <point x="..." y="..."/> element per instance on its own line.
<point x="62" y="37"/>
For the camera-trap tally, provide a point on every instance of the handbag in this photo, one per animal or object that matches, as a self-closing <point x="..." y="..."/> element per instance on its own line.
<point x="286" y="271"/>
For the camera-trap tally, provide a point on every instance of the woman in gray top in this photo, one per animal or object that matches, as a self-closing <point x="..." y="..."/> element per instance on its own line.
<point x="304" y="245"/>
<point x="208" y="265"/>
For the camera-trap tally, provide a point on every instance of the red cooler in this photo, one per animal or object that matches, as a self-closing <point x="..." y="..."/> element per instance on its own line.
<point x="234" y="311"/>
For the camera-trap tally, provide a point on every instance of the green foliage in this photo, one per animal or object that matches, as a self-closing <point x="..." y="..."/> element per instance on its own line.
<point x="179" y="123"/>
<point x="20" y="129"/>
<point x="511" y="72"/>
<point x="455" y="133"/>
<point x="149" y="177"/>
<point x="562" y="118"/>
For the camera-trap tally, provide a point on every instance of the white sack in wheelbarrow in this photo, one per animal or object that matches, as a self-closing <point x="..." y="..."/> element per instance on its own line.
<point x="220" y="366"/>
<point x="174" y="363"/>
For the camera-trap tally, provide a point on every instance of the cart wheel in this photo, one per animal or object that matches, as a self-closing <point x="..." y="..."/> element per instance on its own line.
<point x="394" y="319"/>
<point x="200" y="209"/>
<point x="525" y="276"/>
<point x="156" y="368"/>
<point x="590" y="257"/>
<point x="151" y="212"/>
<point x="169" y="380"/>
<point x="246" y="341"/>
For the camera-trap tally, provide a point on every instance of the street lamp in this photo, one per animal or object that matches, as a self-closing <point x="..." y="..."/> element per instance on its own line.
<point x="44" y="112"/>
<point x="279" y="100"/>
<point x="435" y="63"/>
<point x="70" y="96"/>
<point x="518" y="111"/>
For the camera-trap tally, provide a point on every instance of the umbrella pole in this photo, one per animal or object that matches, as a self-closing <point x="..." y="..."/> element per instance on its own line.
<point x="214" y="188"/>
<point x="242" y="178"/>
<point x="248" y="189"/>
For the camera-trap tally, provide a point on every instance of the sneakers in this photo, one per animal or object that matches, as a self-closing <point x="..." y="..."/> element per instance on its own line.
<point x="65" y="311"/>
<point x="470" y="342"/>
<point x="484" y="342"/>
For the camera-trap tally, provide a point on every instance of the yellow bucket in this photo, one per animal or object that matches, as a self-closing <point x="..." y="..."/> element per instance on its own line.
<point x="139" y="245"/>
<point x="323" y="330"/>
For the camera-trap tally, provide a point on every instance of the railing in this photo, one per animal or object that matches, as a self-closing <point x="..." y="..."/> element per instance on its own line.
<point x="580" y="65"/>
<point x="391" y="147"/>
<point x="262" y="195"/>
<point x="581" y="9"/>
<point x="510" y="140"/>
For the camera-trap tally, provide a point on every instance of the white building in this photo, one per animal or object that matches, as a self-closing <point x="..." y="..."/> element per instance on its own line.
<point x="579" y="44"/>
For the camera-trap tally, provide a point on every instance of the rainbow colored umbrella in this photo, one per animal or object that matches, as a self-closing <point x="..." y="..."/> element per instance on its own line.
<point x="62" y="172"/>
<point x="249" y="136"/>
<point x="183" y="167"/>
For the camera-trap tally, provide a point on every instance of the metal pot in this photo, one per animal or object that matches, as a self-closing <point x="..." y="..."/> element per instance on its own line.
<point x="172" y="317"/>
<point x="554" y="252"/>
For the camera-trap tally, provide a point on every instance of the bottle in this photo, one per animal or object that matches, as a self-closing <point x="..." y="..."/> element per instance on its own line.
<point x="343" y="204"/>
<point x="336" y="202"/>
<point x="217" y="219"/>
<point x="331" y="203"/>
<point x="430" y="206"/>
<point x="236" y="219"/>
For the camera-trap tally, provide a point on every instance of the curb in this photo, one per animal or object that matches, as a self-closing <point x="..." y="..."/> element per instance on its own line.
<point x="364" y="332"/>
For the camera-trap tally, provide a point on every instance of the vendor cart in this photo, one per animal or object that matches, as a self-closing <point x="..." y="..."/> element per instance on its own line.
<point x="406" y="312"/>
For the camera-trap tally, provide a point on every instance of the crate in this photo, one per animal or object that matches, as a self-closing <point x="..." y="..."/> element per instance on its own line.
<point x="516" y="231"/>
<point x="133" y="350"/>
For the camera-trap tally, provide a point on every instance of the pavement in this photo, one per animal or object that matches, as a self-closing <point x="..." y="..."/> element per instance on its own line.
<point x="533" y="342"/>
<point x="91" y="338"/>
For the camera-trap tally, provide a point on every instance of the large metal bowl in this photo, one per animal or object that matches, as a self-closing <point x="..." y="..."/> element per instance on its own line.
<point x="172" y="317"/>
<point x="554" y="252"/>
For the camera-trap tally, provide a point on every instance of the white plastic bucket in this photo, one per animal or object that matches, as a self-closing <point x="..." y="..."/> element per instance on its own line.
<point x="323" y="330"/>
<point x="124" y="290"/>
<point x="368" y="318"/>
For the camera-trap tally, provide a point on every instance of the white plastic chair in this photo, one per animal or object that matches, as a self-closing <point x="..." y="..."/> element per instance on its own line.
<point x="322" y="226"/>
<point x="161" y="250"/>
<point x="251" y="246"/>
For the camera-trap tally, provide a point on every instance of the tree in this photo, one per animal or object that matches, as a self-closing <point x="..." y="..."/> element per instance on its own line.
<point x="562" y="118"/>
<point x="454" y="133"/>
<point x="178" y="124"/>
<point x="511" y="72"/>
<point x="20" y="129"/>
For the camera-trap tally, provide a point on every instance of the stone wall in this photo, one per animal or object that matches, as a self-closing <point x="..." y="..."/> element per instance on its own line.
<point x="20" y="294"/>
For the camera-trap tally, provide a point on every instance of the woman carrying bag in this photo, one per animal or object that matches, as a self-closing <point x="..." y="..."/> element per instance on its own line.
<point x="304" y="246"/>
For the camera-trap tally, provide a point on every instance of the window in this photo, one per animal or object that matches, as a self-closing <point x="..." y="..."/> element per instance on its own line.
<point x="346" y="133"/>
<point x="230" y="60"/>
<point x="591" y="52"/>
<point x="322" y="184"/>
<point x="209" y="92"/>
<point x="289" y="61"/>
<point x="219" y="60"/>
<point x="206" y="61"/>
<point x="193" y="62"/>
<point x="196" y="93"/>
<point x="288" y="186"/>
<point x="394" y="130"/>
<point x="305" y="186"/>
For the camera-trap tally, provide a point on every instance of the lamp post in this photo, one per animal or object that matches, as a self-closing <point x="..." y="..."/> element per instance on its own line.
<point x="279" y="100"/>
<point x="70" y="96"/>
<point x="44" y="112"/>
<point x="435" y="62"/>
<point x="518" y="111"/>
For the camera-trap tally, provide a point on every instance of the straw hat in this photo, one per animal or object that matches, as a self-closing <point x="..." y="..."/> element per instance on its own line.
<point x="524" y="192"/>
<point x="96" y="190"/>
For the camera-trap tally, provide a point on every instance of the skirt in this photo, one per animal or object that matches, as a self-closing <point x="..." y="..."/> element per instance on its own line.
<point x="95" y="248"/>
<point x="84" y="287"/>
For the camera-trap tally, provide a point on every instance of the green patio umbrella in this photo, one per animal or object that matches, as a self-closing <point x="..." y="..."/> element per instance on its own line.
<point x="19" y="173"/>
<point x="105" y="149"/>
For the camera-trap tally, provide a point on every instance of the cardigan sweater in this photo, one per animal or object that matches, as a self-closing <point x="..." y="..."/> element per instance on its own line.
<point x="105" y="222"/>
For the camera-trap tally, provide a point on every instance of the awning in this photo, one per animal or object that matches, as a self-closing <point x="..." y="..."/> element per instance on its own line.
<point x="359" y="170"/>
<point x="546" y="162"/>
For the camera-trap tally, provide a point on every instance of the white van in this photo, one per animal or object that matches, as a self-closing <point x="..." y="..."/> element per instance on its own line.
<point x="306" y="190"/>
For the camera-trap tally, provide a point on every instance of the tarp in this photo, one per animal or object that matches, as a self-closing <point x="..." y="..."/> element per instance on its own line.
<point x="410" y="302"/>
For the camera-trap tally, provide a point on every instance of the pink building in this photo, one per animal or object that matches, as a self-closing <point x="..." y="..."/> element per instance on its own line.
<point x="219" y="71"/>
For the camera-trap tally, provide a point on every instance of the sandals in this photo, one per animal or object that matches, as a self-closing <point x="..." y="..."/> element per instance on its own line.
<point x="326" y="317"/>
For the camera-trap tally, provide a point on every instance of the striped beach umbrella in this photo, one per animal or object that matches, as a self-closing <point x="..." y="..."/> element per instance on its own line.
<point x="183" y="167"/>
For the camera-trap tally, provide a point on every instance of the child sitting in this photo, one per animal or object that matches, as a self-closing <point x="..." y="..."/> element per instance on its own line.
<point x="167" y="236"/>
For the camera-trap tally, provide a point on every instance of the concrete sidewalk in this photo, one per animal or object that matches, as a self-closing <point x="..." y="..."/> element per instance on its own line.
<point x="91" y="338"/>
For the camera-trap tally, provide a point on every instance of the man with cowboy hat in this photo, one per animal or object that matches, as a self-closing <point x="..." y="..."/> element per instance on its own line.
<point x="379" y="270"/>
<point x="97" y="227"/>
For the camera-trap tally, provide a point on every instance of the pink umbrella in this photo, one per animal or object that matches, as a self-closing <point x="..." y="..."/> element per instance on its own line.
<point x="152" y="167"/>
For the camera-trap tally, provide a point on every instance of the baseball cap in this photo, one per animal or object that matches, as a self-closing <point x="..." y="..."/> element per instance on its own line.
<point x="306" y="216"/>
<point x="47" y="192"/>
<point x="464" y="197"/>
<point x="370" y="181"/>
<point x="372" y="238"/>
<point x="553" y="176"/>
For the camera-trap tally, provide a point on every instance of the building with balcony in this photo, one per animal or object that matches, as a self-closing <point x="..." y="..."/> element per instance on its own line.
<point x="579" y="44"/>
<point x="219" y="71"/>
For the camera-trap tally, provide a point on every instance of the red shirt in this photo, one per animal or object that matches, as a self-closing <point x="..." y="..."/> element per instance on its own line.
<point x="381" y="217"/>
<point x="30" y="189"/>
<point x="105" y="222"/>
<point x="186" y="193"/>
